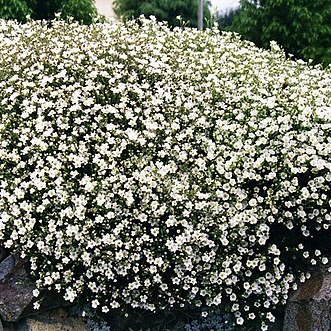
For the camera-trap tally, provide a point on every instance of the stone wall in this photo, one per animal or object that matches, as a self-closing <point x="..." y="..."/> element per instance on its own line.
<point x="16" y="302"/>
<point x="308" y="309"/>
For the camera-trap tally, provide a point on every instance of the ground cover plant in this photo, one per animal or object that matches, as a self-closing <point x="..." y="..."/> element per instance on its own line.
<point x="152" y="168"/>
<point x="83" y="11"/>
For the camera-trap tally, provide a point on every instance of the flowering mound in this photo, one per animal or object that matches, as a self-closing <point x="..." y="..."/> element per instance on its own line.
<point x="154" y="168"/>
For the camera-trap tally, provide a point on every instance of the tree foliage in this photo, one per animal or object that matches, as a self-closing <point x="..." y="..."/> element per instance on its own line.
<point x="163" y="10"/>
<point x="15" y="9"/>
<point x="225" y="20"/>
<point x="301" y="27"/>
<point x="81" y="10"/>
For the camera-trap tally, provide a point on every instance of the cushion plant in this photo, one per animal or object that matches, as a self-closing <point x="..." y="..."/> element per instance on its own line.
<point x="154" y="168"/>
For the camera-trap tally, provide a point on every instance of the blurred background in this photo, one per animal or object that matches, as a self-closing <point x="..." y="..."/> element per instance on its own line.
<point x="301" y="27"/>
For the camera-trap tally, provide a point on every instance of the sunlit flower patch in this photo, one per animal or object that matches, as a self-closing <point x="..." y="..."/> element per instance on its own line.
<point x="155" y="168"/>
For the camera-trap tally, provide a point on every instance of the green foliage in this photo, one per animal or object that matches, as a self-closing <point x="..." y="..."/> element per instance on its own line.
<point x="302" y="27"/>
<point x="225" y="20"/>
<point x="81" y="10"/>
<point x="15" y="9"/>
<point x="163" y="10"/>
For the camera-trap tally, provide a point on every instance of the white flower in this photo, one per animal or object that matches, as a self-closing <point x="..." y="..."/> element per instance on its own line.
<point x="36" y="305"/>
<point x="240" y="321"/>
<point x="95" y="304"/>
<point x="129" y="155"/>
<point x="105" y="309"/>
<point x="35" y="292"/>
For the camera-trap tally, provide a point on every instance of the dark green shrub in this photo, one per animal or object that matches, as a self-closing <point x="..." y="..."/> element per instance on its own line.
<point x="81" y="10"/>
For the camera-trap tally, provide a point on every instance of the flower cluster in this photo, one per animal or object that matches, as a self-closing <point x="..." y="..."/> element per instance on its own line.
<point x="154" y="168"/>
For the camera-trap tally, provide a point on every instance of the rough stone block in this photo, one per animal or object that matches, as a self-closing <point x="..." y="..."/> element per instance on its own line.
<point x="15" y="289"/>
<point x="53" y="324"/>
<point x="8" y="265"/>
<point x="309" y="308"/>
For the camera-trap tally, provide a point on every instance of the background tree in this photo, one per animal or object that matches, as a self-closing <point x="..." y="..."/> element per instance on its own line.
<point x="163" y="10"/>
<point x="225" y="20"/>
<point x="81" y="10"/>
<point x="302" y="27"/>
<point x="15" y="9"/>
